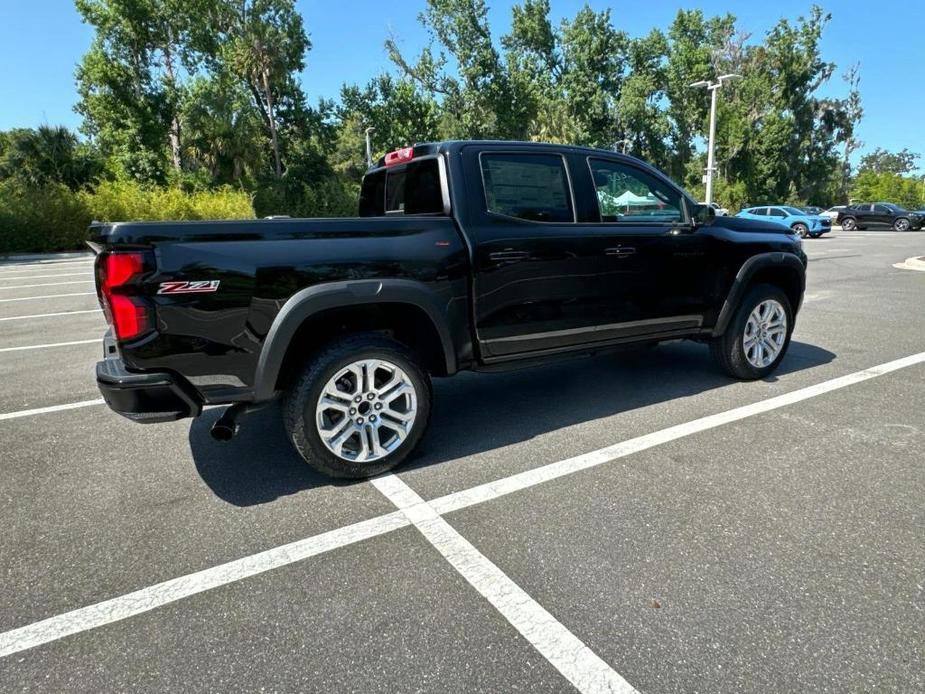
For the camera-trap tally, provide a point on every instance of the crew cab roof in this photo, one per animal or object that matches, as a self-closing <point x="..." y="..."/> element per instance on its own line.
<point x="425" y="149"/>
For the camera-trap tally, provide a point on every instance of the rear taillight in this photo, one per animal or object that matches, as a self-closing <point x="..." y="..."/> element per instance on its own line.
<point x="128" y="315"/>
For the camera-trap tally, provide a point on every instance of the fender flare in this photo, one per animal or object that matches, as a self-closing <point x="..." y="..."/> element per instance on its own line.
<point x="321" y="297"/>
<point x="758" y="262"/>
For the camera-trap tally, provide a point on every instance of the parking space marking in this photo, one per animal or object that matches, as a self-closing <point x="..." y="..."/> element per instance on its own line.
<point x="47" y="296"/>
<point x="50" y="315"/>
<point x="6" y="277"/>
<point x="45" y="284"/>
<point x="175" y="589"/>
<point x="116" y="609"/>
<point x="50" y="344"/>
<point x="530" y="478"/>
<point x="66" y="264"/>
<point x="50" y="409"/>
<point x="566" y="652"/>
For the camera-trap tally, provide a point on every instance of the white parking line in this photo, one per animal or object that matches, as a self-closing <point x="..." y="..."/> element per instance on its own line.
<point x="493" y="490"/>
<point x="46" y="284"/>
<point x="49" y="315"/>
<point x="566" y="652"/>
<point x="49" y="410"/>
<point x="161" y="594"/>
<point x="88" y="262"/>
<point x="47" y="296"/>
<point x="126" y="606"/>
<point x="50" y="344"/>
<point x="4" y="278"/>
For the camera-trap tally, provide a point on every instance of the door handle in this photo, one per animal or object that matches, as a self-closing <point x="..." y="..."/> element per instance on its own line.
<point x="508" y="256"/>
<point x="620" y="251"/>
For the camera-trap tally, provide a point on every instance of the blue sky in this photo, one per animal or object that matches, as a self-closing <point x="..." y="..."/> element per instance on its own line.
<point x="42" y="40"/>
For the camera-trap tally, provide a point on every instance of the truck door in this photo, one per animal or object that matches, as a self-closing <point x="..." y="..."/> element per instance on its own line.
<point x="537" y="274"/>
<point x="882" y="215"/>
<point x="669" y="285"/>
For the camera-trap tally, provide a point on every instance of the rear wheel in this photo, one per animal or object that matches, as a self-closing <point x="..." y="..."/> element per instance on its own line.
<point x="758" y="335"/>
<point x="902" y="224"/>
<point x="359" y="407"/>
<point x="849" y="224"/>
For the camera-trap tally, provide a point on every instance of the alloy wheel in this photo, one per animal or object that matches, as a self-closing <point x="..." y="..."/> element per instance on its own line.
<point x="366" y="410"/>
<point x="765" y="333"/>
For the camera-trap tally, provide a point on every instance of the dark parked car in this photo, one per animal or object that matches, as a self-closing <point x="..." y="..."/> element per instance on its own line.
<point x="879" y="214"/>
<point x="466" y="255"/>
<point x="814" y="211"/>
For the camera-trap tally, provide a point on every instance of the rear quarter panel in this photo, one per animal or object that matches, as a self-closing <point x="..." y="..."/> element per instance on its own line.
<point x="214" y="339"/>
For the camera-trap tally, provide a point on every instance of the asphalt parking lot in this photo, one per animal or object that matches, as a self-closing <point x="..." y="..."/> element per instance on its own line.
<point x="625" y="522"/>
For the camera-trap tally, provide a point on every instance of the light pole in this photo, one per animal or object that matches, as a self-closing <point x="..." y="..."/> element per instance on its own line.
<point x="369" y="147"/>
<point x="713" y="87"/>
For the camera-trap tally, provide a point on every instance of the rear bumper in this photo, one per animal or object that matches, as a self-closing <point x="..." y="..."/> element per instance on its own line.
<point x="146" y="398"/>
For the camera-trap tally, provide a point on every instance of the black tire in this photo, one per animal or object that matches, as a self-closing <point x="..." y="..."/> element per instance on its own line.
<point x="801" y="229"/>
<point x="727" y="349"/>
<point x="849" y="224"/>
<point x="902" y="224"/>
<point x="301" y="400"/>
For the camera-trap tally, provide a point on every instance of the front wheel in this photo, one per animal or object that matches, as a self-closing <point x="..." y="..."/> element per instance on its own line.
<point x="901" y="224"/>
<point x="801" y="230"/>
<point x="849" y="224"/>
<point x="359" y="407"/>
<point x="758" y="335"/>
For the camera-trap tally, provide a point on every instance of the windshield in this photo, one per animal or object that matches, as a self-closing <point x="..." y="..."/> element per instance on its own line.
<point x="893" y="208"/>
<point x="792" y="211"/>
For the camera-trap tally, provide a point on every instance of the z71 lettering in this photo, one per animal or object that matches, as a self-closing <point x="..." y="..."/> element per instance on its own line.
<point x="203" y="287"/>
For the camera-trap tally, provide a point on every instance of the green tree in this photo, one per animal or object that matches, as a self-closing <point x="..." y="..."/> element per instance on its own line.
<point x="129" y="85"/>
<point x="48" y="155"/>
<point x="479" y="98"/>
<point x="223" y="132"/>
<point x="397" y="110"/>
<point x="263" y="43"/>
<point x="883" y="162"/>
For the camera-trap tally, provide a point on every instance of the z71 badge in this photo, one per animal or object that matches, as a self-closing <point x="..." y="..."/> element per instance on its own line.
<point x="189" y="287"/>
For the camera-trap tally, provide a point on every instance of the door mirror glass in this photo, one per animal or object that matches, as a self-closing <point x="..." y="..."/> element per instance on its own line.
<point x="702" y="214"/>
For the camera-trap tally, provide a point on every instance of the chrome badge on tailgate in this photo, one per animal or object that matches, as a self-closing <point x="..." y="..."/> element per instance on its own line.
<point x="202" y="287"/>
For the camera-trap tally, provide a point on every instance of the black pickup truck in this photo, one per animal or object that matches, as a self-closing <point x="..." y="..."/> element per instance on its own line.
<point x="466" y="255"/>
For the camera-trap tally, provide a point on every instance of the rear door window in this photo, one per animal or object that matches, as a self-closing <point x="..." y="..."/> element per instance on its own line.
<point x="533" y="187"/>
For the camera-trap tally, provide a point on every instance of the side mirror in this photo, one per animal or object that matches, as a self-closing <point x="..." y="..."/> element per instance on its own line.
<point x="702" y="214"/>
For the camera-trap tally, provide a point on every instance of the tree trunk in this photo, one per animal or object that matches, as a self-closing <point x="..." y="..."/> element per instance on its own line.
<point x="174" y="130"/>
<point x="271" y="119"/>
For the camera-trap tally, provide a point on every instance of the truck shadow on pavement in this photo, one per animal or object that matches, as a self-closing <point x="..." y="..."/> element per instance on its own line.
<point x="474" y="413"/>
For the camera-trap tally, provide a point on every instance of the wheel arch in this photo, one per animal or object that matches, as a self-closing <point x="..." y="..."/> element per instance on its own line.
<point x="782" y="270"/>
<point x="316" y="313"/>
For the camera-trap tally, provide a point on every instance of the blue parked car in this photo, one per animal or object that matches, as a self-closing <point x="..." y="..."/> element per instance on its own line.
<point x="813" y="225"/>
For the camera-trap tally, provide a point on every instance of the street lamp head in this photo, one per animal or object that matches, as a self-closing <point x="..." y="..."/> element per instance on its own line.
<point x="730" y="76"/>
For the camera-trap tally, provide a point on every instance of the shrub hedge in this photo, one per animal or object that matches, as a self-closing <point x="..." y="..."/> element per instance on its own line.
<point x="55" y="218"/>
